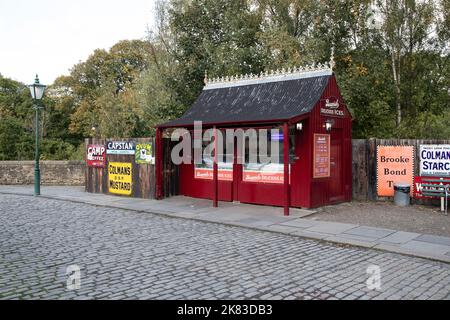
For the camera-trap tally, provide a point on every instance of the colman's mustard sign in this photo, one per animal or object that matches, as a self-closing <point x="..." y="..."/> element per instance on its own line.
<point x="120" y="178"/>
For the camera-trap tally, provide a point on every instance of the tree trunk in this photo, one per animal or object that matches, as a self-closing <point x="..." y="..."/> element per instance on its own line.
<point x="397" y="87"/>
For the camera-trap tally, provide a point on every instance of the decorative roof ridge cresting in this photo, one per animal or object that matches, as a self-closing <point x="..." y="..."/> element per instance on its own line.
<point x="272" y="76"/>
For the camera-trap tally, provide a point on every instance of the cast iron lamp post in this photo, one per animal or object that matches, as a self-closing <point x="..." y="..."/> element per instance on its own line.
<point x="37" y="92"/>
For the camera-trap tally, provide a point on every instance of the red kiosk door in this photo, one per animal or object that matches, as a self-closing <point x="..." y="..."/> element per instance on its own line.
<point x="336" y="188"/>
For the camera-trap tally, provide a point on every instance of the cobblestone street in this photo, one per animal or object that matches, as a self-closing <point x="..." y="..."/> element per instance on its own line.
<point x="133" y="255"/>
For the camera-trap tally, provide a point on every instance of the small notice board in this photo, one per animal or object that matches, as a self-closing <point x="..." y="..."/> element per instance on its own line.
<point x="321" y="168"/>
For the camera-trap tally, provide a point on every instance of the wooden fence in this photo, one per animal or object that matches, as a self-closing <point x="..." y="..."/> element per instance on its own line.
<point x="143" y="180"/>
<point x="365" y="163"/>
<point x="364" y="153"/>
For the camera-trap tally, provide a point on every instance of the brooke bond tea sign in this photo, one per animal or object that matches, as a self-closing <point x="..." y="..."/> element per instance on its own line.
<point x="120" y="175"/>
<point x="395" y="164"/>
<point x="435" y="160"/>
<point x="95" y="156"/>
<point x="120" y="147"/>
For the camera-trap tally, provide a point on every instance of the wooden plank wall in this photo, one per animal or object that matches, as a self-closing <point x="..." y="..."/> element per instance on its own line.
<point x="364" y="163"/>
<point x="363" y="166"/>
<point x="143" y="174"/>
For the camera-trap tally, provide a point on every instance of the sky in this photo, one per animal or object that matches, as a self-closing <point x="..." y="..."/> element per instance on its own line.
<point x="48" y="37"/>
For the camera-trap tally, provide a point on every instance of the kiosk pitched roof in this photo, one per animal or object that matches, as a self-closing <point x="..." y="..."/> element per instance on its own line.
<point x="270" y="98"/>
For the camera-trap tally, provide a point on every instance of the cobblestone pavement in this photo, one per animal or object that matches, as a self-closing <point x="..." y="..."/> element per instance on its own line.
<point x="132" y="255"/>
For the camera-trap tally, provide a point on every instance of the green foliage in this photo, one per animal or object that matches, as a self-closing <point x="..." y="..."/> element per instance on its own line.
<point x="56" y="149"/>
<point x="15" y="142"/>
<point x="392" y="64"/>
<point x="101" y="91"/>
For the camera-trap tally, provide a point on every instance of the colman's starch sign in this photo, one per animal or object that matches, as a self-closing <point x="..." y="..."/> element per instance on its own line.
<point x="435" y="160"/>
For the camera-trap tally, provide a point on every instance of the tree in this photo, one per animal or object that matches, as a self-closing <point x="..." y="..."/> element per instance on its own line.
<point x="102" y="87"/>
<point x="406" y="25"/>
<point x="217" y="37"/>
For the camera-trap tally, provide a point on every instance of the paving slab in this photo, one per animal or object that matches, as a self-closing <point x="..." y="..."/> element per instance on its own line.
<point x="434" y="239"/>
<point x="310" y="234"/>
<point x="354" y="237"/>
<point x="331" y="227"/>
<point x="299" y="223"/>
<point x="255" y="222"/>
<point x="412" y="252"/>
<point x="281" y="228"/>
<point x="426" y="247"/>
<point x="370" y="232"/>
<point x="399" y="237"/>
<point x="301" y="213"/>
<point x="351" y="241"/>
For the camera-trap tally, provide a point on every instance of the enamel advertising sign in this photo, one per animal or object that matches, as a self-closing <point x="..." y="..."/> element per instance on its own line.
<point x="120" y="176"/>
<point x="322" y="164"/>
<point x="143" y="154"/>
<point x="95" y="156"/>
<point x="120" y="147"/>
<point x="395" y="164"/>
<point x="418" y="188"/>
<point x="435" y="160"/>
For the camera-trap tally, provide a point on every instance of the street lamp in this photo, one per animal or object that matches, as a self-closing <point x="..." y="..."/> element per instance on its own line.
<point x="37" y="92"/>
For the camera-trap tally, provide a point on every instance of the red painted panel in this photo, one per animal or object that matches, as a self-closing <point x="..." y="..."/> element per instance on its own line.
<point x="301" y="168"/>
<point x="336" y="181"/>
<point x="328" y="191"/>
<point x="304" y="190"/>
<point x="261" y="193"/>
<point x="201" y="188"/>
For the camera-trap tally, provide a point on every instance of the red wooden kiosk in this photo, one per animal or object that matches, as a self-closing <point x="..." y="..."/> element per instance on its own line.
<point x="306" y="105"/>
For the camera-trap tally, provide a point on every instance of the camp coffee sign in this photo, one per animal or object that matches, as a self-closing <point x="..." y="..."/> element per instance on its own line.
<point x="120" y="147"/>
<point x="395" y="164"/>
<point x="120" y="175"/>
<point x="95" y="156"/>
<point x="435" y="160"/>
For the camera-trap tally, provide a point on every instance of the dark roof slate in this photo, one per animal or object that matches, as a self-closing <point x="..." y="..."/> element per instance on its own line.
<point x="267" y="101"/>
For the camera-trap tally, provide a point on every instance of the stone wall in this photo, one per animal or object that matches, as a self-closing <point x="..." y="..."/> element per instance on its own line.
<point x="69" y="173"/>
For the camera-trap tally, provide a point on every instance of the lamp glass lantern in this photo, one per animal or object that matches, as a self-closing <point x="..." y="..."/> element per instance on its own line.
<point x="328" y="125"/>
<point x="37" y="89"/>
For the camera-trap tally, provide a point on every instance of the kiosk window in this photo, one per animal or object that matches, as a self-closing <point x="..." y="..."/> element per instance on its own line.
<point x="260" y="167"/>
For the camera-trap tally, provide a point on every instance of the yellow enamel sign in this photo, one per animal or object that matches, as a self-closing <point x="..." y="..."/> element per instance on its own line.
<point x="120" y="178"/>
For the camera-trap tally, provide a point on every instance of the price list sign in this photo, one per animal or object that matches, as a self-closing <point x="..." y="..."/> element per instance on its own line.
<point x="321" y="156"/>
